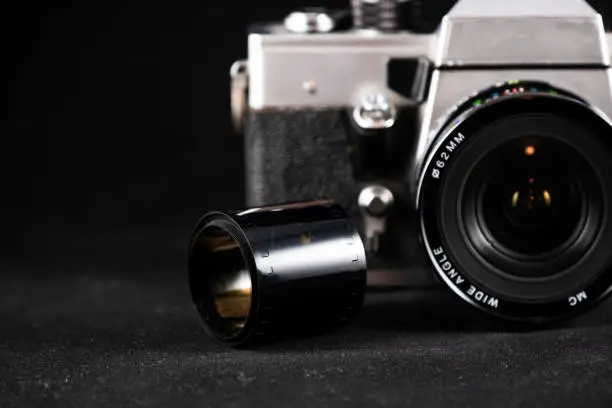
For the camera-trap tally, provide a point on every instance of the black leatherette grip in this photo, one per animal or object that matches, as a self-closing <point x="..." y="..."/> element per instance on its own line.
<point x="298" y="155"/>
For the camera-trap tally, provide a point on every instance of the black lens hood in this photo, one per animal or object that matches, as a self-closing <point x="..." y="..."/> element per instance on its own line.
<point x="306" y="264"/>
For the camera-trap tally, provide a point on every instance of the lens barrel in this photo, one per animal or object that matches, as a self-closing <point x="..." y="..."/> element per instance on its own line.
<point x="275" y="272"/>
<point x="514" y="199"/>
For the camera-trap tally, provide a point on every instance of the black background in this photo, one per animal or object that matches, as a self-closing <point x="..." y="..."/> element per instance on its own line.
<point x="115" y="138"/>
<point x="118" y="115"/>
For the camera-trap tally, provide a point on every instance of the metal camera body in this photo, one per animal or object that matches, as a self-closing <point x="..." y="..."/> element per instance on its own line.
<point x="352" y="114"/>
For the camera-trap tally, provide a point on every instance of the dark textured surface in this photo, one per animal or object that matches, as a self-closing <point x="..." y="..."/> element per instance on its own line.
<point x="118" y="329"/>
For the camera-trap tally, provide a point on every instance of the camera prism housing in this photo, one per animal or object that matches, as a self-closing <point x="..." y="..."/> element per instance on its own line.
<point x="476" y="157"/>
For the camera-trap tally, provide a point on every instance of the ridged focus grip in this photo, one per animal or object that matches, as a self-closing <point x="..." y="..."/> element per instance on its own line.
<point x="276" y="272"/>
<point x="379" y="15"/>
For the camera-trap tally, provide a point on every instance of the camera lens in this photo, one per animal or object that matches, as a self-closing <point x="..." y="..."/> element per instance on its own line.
<point x="514" y="201"/>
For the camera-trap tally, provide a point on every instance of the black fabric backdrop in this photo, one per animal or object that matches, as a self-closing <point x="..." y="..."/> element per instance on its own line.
<point x="116" y="137"/>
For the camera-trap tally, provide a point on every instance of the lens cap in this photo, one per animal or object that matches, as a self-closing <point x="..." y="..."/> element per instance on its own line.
<point x="266" y="273"/>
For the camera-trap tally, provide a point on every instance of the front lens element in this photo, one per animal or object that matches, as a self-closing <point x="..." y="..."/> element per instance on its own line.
<point x="531" y="207"/>
<point x="531" y="196"/>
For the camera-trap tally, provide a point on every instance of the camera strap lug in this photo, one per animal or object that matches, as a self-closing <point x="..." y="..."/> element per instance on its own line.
<point x="239" y="81"/>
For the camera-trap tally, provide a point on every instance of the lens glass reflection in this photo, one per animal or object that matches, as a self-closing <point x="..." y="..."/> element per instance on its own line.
<point x="531" y="202"/>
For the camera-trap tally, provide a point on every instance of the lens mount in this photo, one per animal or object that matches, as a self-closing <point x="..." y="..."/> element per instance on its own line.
<point x="514" y="199"/>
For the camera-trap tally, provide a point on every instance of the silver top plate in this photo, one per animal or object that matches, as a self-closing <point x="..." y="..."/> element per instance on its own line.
<point x="332" y="70"/>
